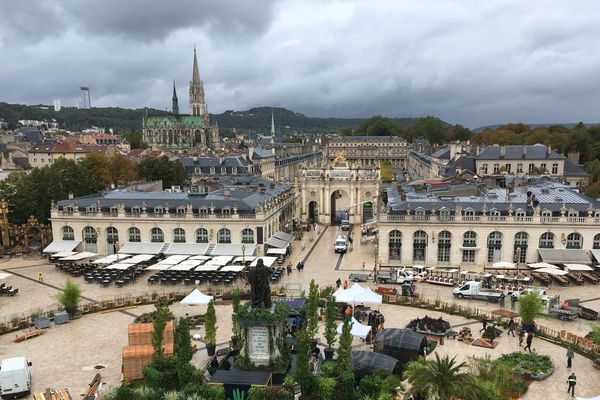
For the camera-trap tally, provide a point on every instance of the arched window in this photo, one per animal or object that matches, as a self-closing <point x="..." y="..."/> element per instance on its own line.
<point x="494" y="247"/>
<point x="247" y="235"/>
<point x="224" y="236"/>
<point x="469" y="240"/>
<point x="135" y="235"/>
<point x="547" y="240"/>
<point x="596" y="242"/>
<point x="444" y="244"/>
<point x="574" y="241"/>
<point x="178" y="235"/>
<point x="419" y="246"/>
<point x="68" y="233"/>
<point x="89" y="235"/>
<point x="112" y="235"/>
<point x="157" y="235"/>
<point x="395" y="245"/>
<point x="520" y="251"/>
<point x="201" y="235"/>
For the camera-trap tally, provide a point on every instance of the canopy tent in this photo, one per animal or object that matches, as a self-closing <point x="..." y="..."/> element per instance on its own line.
<point x="551" y="271"/>
<point x="221" y="260"/>
<point x="578" y="267"/>
<point x="158" y="267"/>
<point x="79" y="256"/>
<point x="366" y="363"/>
<point x="243" y="259"/>
<point x="187" y="248"/>
<point x="208" y="267"/>
<point x="233" y="268"/>
<point x="541" y="265"/>
<point x="140" y="258"/>
<point x="503" y="265"/>
<point x="228" y="249"/>
<point x="111" y="259"/>
<point x="565" y="256"/>
<point x="403" y="344"/>
<point x="276" y="243"/>
<point x="368" y="297"/>
<point x="141" y="248"/>
<point x="196" y="298"/>
<point x="358" y="330"/>
<point x="200" y="257"/>
<point x="268" y="261"/>
<point x="277" y="251"/>
<point x="61" y="245"/>
<point x="120" y="266"/>
<point x="347" y="295"/>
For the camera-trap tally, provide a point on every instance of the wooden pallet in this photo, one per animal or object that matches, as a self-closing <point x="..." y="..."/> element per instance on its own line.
<point x="28" y="335"/>
<point x="51" y="394"/>
<point x="93" y="389"/>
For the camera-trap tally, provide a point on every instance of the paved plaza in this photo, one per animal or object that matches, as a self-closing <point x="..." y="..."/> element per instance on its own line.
<point x="65" y="356"/>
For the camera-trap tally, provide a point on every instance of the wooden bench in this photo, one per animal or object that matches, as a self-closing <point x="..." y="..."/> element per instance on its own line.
<point x="28" y="335"/>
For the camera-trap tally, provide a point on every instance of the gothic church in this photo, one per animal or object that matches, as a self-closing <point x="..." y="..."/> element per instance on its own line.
<point x="183" y="130"/>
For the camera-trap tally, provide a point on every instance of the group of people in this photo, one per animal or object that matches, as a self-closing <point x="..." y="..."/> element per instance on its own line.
<point x="513" y="300"/>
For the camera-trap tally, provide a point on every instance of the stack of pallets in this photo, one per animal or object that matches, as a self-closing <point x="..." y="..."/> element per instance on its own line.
<point x="51" y="394"/>
<point x="139" y="352"/>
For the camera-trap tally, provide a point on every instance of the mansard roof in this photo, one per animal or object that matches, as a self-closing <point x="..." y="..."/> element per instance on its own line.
<point x="520" y="152"/>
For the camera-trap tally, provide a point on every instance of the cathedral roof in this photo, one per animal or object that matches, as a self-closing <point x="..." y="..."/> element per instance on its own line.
<point x="169" y="120"/>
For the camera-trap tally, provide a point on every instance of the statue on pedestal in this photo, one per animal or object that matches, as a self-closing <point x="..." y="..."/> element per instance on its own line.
<point x="260" y="291"/>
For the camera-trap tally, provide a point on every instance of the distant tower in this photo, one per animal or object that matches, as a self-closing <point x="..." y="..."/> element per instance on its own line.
<point x="175" y="101"/>
<point x="57" y="105"/>
<point x="197" y="102"/>
<point x="272" y="124"/>
<point x="85" y="98"/>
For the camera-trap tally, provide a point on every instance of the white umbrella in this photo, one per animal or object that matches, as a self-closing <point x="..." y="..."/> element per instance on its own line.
<point x="358" y="329"/>
<point x="196" y="298"/>
<point x="551" y="271"/>
<point x="578" y="267"/>
<point x="542" y="265"/>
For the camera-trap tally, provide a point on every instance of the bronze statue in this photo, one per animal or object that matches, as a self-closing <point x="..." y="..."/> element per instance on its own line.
<point x="260" y="290"/>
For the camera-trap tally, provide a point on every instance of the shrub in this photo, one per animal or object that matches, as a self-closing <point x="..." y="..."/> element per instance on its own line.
<point x="70" y="296"/>
<point x="326" y="388"/>
<point x="330" y="328"/>
<point x="530" y="304"/>
<point x="210" y="323"/>
<point x="528" y="363"/>
<point x="268" y="393"/>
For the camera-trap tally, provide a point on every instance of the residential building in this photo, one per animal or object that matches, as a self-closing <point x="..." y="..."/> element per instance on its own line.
<point x="368" y="151"/>
<point x="43" y="154"/>
<point x="264" y="160"/>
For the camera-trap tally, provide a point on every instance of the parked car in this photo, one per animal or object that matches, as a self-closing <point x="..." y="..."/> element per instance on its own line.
<point x="341" y="244"/>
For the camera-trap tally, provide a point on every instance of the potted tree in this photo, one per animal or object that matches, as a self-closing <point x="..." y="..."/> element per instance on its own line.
<point x="70" y="296"/>
<point x="530" y="304"/>
<point x="235" y="329"/>
<point x="210" y="326"/>
<point x="330" y="328"/>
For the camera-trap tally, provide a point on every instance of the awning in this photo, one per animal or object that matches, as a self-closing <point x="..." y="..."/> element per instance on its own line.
<point x="578" y="267"/>
<point x="79" y="256"/>
<point x="503" y="265"/>
<point x="201" y="258"/>
<point x="245" y="259"/>
<point x="111" y="259"/>
<point x="276" y="251"/>
<point x="596" y="254"/>
<point x="140" y="258"/>
<point x="551" y="271"/>
<point x="141" y="248"/>
<point x="120" y="266"/>
<point x="286" y="237"/>
<point x="275" y="242"/>
<point x="268" y="261"/>
<point x="237" y="377"/>
<point x="182" y="267"/>
<point x="208" y="267"/>
<point x="542" y="265"/>
<point x="61" y="245"/>
<point x="221" y="260"/>
<point x="233" y="268"/>
<point x="228" y="249"/>
<point x="158" y="267"/>
<point x="187" y="248"/>
<point x="565" y="256"/>
<point x="62" y="254"/>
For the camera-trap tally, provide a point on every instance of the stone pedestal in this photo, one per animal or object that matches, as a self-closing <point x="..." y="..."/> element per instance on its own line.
<point x="261" y="340"/>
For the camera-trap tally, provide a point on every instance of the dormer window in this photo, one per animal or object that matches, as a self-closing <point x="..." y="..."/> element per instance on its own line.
<point x="180" y="210"/>
<point x="494" y="213"/>
<point x="546" y="213"/>
<point x="114" y="210"/>
<point x="420" y="212"/>
<point x="212" y="170"/>
<point x="68" y="209"/>
<point x="597" y="214"/>
<point x="203" y="210"/>
<point x="197" y="170"/>
<point x="234" y="170"/>
<point x="519" y="213"/>
<point x="444" y="212"/>
<point x="573" y="214"/>
<point x="136" y="210"/>
<point x="225" y="210"/>
<point x="469" y="212"/>
<point x="159" y="210"/>
<point x="90" y="209"/>
<point x="223" y="170"/>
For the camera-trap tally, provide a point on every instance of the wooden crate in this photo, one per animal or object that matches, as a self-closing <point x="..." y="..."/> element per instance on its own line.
<point x="135" y="358"/>
<point x="141" y="334"/>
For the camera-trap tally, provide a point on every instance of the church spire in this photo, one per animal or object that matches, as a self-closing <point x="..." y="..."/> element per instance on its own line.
<point x="195" y="73"/>
<point x="272" y="123"/>
<point x="175" y="101"/>
<point x="197" y="103"/>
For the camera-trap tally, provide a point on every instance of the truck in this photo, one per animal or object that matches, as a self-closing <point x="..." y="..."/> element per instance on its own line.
<point x="395" y="276"/>
<point x="15" y="378"/>
<point x="475" y="290"/>
<point x="359" y="277"/>
<point x="345" y="225"/>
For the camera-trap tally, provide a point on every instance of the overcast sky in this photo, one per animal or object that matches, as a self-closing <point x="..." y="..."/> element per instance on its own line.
<point x="469" y="62"/>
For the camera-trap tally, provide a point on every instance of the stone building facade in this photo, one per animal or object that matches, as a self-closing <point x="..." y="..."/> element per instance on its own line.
<point x="369" y="151"/>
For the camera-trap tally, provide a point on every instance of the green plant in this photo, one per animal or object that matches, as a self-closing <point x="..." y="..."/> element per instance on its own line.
<point x="267" y="393"/>
<point x="528" y="363"/>
<point x="183" y="352"/>
<point x="161" y="317"/>
<point x="302" y="372"/>
<point x="330" y="328"/>
<point x="326" y="388"/>
<point x="344" y="358"/>
<point x="312" y="308"/>
<point x="530" y="304"/>
<point x="210" y="324"/>
<point x="70" y="296"/>
<point x="235" y="329"/>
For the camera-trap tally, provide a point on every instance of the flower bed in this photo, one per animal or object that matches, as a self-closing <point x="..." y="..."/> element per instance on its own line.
<point x="539" y="367"/>
<point x="430" y="326"/>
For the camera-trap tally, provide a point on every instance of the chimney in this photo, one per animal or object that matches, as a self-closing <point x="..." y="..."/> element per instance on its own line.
<point x="548" y="150"/>
<point x="573" y="156"/>
<point x="70" y="196"/>
<point x="226" y="192"/>
<point x="502" y="151"/>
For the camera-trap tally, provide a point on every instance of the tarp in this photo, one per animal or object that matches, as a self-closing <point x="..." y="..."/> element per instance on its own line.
<point x="79" y="256"/>
<point x="277" y="251"/>
<point x="277" y="243"/>
<point x="228" y="249"/>
<point x="565" y="256"/>
<point x="187" y="248"/>
<point x="578" y="267"/>
<point x="268" y="261"/>
<point x="141" y="248"/>
<point x="111" y="259"/>
<point x="542" y="265"/>
<point x="358" y="330"/>
<point x="551" y="271"/>
<point x="61" y="245"/>
<point x="196" y="298"/>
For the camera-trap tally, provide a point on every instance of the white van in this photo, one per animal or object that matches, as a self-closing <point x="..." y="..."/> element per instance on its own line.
<point x="341" y="244"/>
<point x="15" y="378"/>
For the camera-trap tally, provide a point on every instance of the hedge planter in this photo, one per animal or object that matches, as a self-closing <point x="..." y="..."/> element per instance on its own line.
<point x="530" y="365"/>
<point x="329" y="354"/>
<point x="210" y="349"/>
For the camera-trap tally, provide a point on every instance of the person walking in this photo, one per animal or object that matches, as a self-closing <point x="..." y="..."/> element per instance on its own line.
<point x="338" y="283"/>
<point x="570" y="355"/>
<point x="289" y="268"/>
<point x="528" y="342"/>
<point x="572" y="381"/>
<point x="484" y="326"/>
<point x="345" y="284"/>
<point x="40" y="277"/>
<point x="521" y="336"/>
<point x="513" y="301"/>
<point x="501" y="299"/>
<point x="363" y="265"/>
<point x="511" y="327"/>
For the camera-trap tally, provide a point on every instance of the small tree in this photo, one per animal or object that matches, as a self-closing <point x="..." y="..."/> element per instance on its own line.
<point x="302" y="372"/>
<point x="210" y="324"/>
<point x="161" y="317"/>
<point x="235" y="329"/>
<point x="344" y="358"/>
<point x="330" y="328"/>
<point x="70" y="296"/>
<point x="183" y="352"/>
<point x="530" y="305"/>
<point x="312" y="308"/>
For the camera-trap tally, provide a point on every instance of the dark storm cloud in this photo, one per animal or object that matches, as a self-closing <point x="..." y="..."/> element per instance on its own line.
<point x="468" y="62"/>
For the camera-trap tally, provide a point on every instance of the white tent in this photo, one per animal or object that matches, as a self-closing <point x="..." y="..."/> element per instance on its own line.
<point x="542" y="265"/>
<point x="551" y="271"/>
<point x="158" y="267"/>
<point x="347" y="295"/>
<point x="358" y="329"/>
<point x="182" y="267"/>
<point x="268" y="261"/>
<point x="140" y="258"/>
<point x="221" y="260"/>
<point x="208" y="267"/>
<point x="111" y="259"/>
<point x="193" y="263"/>
<point x="196" y="298"/>
<point x="503" y="265"/>
<point x="79" y="256"/>
<point x="368" y="296"/>
<point x="578" y="267"/>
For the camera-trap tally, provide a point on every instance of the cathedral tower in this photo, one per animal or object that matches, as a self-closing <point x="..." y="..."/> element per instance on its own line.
<point x="197" y="102"/>
<point x="175" y="101"/>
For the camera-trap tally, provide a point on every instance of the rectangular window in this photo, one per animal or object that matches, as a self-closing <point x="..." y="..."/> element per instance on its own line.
<point x="484" y="168"/>
<point x="554" y="169"/>
<point x="507" y="167"/>
<point x="468" y="256"/>
<point x="496" y="168"/>
<point x="519" y="168"/>
<point x="531" y="167"/>
<point x="543" y="167"/>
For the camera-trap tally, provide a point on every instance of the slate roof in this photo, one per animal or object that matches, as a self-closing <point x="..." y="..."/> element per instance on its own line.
<point x="572" y="169"/>
<point x="532" y="152"/>
<point x="262" y="153"/>
<point x="368" y="139"/>
<point x="442" y="153"/>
